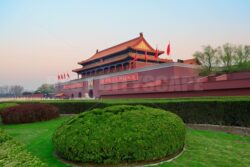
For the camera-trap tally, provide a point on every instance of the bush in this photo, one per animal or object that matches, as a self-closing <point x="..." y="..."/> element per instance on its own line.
<point x="245" y="66"/>
<point x="120" y="134"/>
<point x="26" y="113"/>
<point x="13" y="154"/>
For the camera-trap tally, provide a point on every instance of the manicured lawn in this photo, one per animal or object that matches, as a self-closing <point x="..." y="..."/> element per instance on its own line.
<point x="130" y="100"/>
<point x="210" y="148"/>
<point x="37" y="138"/>
<point x="6" y="104"/>
<point x="203" y="148"/>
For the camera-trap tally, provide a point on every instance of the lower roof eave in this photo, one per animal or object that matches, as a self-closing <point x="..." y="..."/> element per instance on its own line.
<point x="146" y="68"/>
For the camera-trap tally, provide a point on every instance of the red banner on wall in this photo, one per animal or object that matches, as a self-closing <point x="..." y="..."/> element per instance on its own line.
<point x="73" y="86"/>
<point x="121" y="78"/>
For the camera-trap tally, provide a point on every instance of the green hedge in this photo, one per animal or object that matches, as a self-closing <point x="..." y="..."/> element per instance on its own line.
<point x="120" y="134"/>
<point x="13" y="154"/>
<point x="233" y="111"/>
<point x="221" y="111"/>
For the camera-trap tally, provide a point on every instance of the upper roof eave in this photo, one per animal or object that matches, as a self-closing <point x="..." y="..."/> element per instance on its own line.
<point x="119" y="48"/>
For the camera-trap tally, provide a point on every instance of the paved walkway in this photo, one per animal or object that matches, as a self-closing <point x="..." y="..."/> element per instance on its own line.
<point x="244" y="131"/>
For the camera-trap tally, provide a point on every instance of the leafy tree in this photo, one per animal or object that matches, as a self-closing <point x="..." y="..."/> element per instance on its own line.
<point x="208" y="59"/>
<point x="46" y="89"/>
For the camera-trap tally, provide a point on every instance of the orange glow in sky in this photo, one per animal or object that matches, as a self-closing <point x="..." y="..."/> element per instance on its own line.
<point x="39" y="39"/>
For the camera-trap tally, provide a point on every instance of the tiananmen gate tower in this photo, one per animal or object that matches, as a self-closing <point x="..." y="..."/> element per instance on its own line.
<point x="133" y="69"/>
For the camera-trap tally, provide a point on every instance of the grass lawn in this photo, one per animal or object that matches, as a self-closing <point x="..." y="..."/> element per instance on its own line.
<point x="203" y="148"/>
<point x="4" y="105"/>
<point x="37" y="138"/>
<point x="140" y="100"/>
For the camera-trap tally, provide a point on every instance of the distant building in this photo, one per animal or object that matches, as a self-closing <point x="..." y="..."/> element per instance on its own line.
<point x="133" y="70"/>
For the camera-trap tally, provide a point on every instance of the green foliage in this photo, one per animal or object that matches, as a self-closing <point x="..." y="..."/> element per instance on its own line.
<point x="226" y="59"/>
<point x="120" y="134"/>
<point x="46" y="89"/>
<point x="26" y="113"/>
<point x="13" y="154"/>
<point x="245" y="66"/>
<point x="204" y="71"/>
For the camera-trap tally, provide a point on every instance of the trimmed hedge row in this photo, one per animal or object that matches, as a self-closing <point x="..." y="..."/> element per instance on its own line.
<point x="26" y="113"/>
<point x="13" y="154"/>
<point x="221" y="112"/>
<point x="120" y="133"/>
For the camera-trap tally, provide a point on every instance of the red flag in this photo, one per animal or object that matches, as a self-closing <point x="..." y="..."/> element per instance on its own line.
<point x="145" y="56"/>
<point x="58" y="77"/>
<point x="61" y="76"/>
<point x="68" y="75"/>
<point x="64" y="76"/>
<point x="135" y="58"/>
<point x="156" y="53"/>
<point x="168" y="49"/>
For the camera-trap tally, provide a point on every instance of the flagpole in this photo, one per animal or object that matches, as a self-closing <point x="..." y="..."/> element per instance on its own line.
<point x="157" y="58"/>
<point x="168" y="49"/>
<point x="135" y="58"/>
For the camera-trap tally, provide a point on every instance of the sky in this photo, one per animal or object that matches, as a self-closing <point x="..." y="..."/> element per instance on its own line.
<point x="40" y="39"/>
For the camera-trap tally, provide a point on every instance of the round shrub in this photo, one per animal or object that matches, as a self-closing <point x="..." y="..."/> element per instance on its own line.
<point x="26" y="113"/>
<point x="120" y="134"/>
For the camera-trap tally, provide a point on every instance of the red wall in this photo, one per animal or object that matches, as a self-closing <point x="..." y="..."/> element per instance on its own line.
<point x="181" y="82"/>
<point x="169" y="81"/>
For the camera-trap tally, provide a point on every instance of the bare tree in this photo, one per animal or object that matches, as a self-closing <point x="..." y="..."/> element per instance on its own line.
<point x="247" y="52"/>
<point x="16" y="90"/>
<point x="228" y="58"/>
<point x="242" y="54"/>
<point x="208" y="58"/>
<point x="4" y="91"/>
<point x="227" y="55"/>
